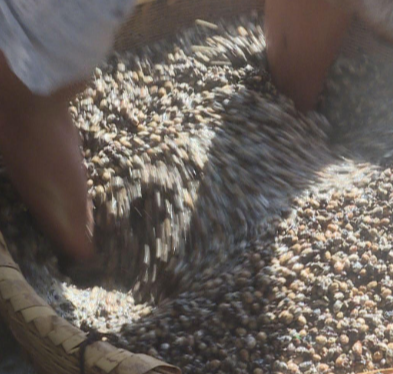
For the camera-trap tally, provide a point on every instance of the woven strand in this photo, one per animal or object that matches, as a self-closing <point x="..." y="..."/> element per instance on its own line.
<point x="53" y="344"/>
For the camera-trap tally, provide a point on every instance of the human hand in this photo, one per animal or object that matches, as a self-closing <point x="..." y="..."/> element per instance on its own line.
<point x="303" y="38"/>
<point x="41" y="150"/>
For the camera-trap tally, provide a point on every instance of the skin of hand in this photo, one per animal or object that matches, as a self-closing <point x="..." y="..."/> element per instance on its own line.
<point x="303" y="38"/>
<point x="41" y="150"/>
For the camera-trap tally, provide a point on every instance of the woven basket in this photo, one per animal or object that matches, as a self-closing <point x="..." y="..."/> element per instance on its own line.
<point x="54" y="345"/>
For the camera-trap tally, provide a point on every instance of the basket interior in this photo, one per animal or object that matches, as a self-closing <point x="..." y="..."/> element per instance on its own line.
<point x="155" y="20"/>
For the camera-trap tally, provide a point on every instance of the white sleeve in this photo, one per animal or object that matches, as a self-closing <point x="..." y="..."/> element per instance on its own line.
<point x="52" y="43"/>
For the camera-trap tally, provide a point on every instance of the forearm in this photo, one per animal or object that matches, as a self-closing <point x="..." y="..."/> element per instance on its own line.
<point x="40" y="146"/>
<point x="303" y="38"/>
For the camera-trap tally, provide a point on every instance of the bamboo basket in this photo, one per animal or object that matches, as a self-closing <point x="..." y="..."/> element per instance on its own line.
<point x="53" y="344"/>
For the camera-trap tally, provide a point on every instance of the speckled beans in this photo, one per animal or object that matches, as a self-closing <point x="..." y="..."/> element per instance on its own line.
<point x="265" y="251"/>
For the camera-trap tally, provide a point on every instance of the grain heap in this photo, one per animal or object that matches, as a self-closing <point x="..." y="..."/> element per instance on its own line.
<point x="192" y="158"/>
<point x="185" y="157"/>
